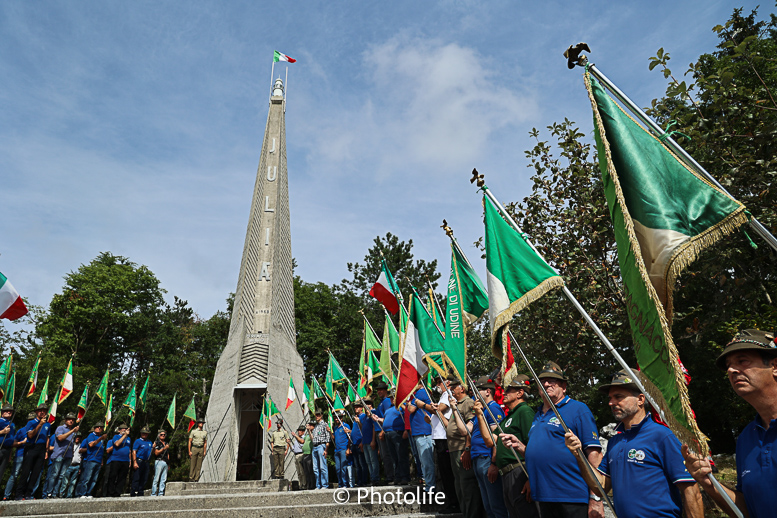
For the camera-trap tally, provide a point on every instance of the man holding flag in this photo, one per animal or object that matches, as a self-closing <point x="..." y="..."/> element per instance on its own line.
<point x="37" y="431"/>
<point x="61" y="456"/>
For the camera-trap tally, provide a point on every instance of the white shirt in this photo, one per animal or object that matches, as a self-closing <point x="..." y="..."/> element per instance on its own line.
<point x="438" y="430"/>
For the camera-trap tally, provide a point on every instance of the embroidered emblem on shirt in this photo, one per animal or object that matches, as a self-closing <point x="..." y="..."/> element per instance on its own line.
<point x="507" y="423"/>
<point x="554" y="421"/>
<point x="636" y="454"/>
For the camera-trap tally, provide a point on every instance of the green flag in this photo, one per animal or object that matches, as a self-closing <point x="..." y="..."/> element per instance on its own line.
<point x="371" y="342"/>
<point x="5" y="373"/>
<point x="317" y="392"/>
<point x="102" y="388"/>
<point x="191" y="413"/>
<point x="171" y="412"/>
<point x="375" y="369"/>
<point x="334" y="375"/>
<point x="429" y="335"/>
<point x="264" y="419"/>
<point x="664" y="215"/>
<point x="390" y="336"/>
<point x="307" y="392"/>
<point x="338" y="404"/>
<point x="270" y="405"/>
<point x="467" y="301"/>
<point x="517" y="276"/>
<point x="144" y="393"/>
<point x="9" y="395"/>
<point x="44" y="393"/>
<point x="131" y="401"/>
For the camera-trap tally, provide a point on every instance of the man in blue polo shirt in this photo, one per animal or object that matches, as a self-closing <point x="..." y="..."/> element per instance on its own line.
<point x="483" y="428"/>
<point x="19" y="441"/>
<point x="37" y="431"/>
<point x="385" y="450"/>
<point x="118" y="463"/>
<point x="642" y="458"/>
<point x="7" y="437"/>
<point x="397" y="443"/>
<point x="750" y="361"/>
<point x="61" y="455"/>
<point x="421" y="431"/>
<point x="92" y="449"/>
<point x="141" y="453"/>
<point x="555" y="479"/>
<point x="361" y="473"/>
<point x="369" y="442"/>
<point x="343" y="444"/>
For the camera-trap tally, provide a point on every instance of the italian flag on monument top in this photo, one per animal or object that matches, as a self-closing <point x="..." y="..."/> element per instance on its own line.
<point x="11" y="304"/>
<point x="663" y="215"/>
<point x="280" y="56"/>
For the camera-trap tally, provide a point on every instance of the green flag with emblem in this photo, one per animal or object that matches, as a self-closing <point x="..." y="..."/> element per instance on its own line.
<point x="467" y="301"/>
<point x="390" y="336"/>
<point x="131" y="401"/>
<point x="334" y="375"/>
<point x="338" y="404"/>
<point x="9" y="395"/>
<point x="191" y="413"/>
<point x="664" y="214"/>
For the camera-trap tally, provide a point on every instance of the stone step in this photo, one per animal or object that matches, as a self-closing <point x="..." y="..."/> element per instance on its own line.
<point x="284" y="504"/>
<point x="221" y="488"/>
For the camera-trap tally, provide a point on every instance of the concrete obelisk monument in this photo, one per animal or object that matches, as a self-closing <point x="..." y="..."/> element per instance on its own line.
<point x="261" y="351"/>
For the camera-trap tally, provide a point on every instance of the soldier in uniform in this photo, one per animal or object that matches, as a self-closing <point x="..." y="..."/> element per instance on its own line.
<point x="459" y="447"/>
<point x="750" y="361"/>
<point x="198" y="445"/>
<point x="279" y="442"/>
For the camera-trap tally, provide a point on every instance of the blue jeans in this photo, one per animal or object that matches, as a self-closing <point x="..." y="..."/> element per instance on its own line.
<point x="160" y="477"/>
<point x="360" y="465"/>
<point x="341" y="464"/>
<point x="68" y="485"/>
<point x="52" y="478"/>
<point x="17" y="467"/>
<point x="424" y="445"/>
<point x="371" y="457"/>
<point x="491" y="494"/>
<point x="91" y="470"/>
<point x="320" y="468"/>
<point x="399" y="451"/>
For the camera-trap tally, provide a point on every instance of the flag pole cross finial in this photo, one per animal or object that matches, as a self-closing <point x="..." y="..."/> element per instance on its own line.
<point x="477" y="177"/>
<point x="574" y="55"/>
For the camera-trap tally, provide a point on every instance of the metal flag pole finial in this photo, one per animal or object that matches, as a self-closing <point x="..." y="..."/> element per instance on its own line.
<point x="477" y="177"/>
<point x="448" y="230"/>
<point x="574" y="55"/>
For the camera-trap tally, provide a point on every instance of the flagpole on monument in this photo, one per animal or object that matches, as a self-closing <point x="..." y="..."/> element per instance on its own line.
<point x="575" y="58"/>
<point x="369" y="412"/>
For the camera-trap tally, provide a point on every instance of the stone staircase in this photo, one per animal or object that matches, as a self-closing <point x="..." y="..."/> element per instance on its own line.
<point x="254" y="499"/>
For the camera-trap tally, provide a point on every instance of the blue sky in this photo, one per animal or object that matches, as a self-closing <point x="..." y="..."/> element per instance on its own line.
<point x="135" y="127"/>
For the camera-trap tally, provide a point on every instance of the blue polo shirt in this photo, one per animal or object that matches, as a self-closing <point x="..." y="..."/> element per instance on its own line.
<point x="42" y="435"/>
<point x="21" y="436"/>
<point x="645" y="457"/>
<point x="756" y="469"/>
<point x="142" y="448"/>
<point x="368" y="426"/>
<point x="478" y="448"/>
<point x="341" y="437"/>
<point x="93" y="453"/>
<point x="356" y="434"/>
<point x="393" y="420"/>
<point x="7" y="439"/>
<point x="120" y="453"/>
<point x="418" y="425"/>
<point x="64" y="448"/>
<point x="552" y="469"/>
<point x="385" y="404"/>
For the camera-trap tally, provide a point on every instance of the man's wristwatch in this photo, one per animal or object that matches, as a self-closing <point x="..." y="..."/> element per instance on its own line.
<point x="595" y="498"/>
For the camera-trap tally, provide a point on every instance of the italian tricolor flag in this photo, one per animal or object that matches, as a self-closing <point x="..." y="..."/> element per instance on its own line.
<point x="11" y="304"/>
<point x="385" y="289"/>
<point x="411" y="367"/>
<point x="67" y="383"/>
<point x="280" y="56"/>
<point x="291" y="397"/>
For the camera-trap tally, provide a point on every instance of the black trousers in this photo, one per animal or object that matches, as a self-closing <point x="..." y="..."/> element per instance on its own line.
<point x="139" y="478"/>
<point x="445" y="482"/>
<point x="117" y="477"/>
<point x="563" y="510"/>
<point x="307" y="465"/>
<point x="32" y="465"/>
<point x="6" y="459"/>
<point x="517" y="506"/>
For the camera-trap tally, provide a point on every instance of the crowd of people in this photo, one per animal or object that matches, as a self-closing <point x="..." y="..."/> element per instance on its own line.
<point x="492" y="455"/>
<point x="48" y="461"/>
